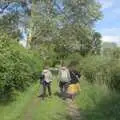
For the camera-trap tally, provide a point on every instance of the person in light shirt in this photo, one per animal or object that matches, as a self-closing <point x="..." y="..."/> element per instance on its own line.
<point x="64" y="78"/>
<point x="47" y="80"/>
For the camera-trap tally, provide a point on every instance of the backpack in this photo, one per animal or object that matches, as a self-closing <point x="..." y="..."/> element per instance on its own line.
<point x="42" y="77"/>
<point x="64" y="76"/>
<point x="75" y="76"/>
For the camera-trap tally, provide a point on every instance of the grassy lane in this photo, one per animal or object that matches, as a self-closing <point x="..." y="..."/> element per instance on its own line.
<point x="97" y="102"/>
<point x="29" y="107"/>
<point x="12" y="109"/>
<point x="52" y="108"/>
<point x="94" y="102"/>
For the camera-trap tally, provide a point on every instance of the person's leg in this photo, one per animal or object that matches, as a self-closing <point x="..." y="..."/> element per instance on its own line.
<point x="41" y="91"/>
<point x="66" y="86"/>
<point x="44" y="89"/>
<point x="61" y="87"/>
<point x="49" y="89"/>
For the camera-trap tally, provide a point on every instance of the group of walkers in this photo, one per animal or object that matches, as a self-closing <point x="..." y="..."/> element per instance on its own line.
<point x="68" y="81"/>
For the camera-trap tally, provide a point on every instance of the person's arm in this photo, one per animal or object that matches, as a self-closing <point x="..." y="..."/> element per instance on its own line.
<point x="59" y="76"/>
<point x="78" y="74"/>
<point x="69" y="77"/>
<point x="41" y="77"/>
<point x="50" y="76"/>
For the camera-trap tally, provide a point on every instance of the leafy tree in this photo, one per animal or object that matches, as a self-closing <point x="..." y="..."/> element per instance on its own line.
<point x="67" y="23"/>
<point x="9" y="24"/>
<point x="12" y="19"/>
<point x="96" y="45"/>
<point x="108" y="48"/>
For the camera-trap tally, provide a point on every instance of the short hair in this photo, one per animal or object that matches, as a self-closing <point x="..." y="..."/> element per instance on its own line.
<point x="62" y="63"/>
<point x="46" y="65"/>
<point x="73" y="64"/>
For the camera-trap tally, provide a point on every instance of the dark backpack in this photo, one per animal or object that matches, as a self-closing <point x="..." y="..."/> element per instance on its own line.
<point x="42" y="77"/>
<point x="75" y="76"/>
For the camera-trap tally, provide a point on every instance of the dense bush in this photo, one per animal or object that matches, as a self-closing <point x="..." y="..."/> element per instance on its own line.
<point x="101" y="69"/>
<point x="73" y="60"/>
<point x="18" y="67"/>
<point x="98" y="68"/>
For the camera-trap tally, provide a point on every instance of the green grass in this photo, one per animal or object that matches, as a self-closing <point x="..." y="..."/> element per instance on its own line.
<point x="98" y="102"/>
<point x="52" y="108"/>
<point x="49" y="109"/>
<point x="12" y="109"/>
<point x="28" y="106"/>
<point x="95" y="102"/>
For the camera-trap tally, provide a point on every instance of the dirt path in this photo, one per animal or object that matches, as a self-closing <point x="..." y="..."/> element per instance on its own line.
<point x="51" y="108"/>
<point x="32" y="105"/>
<point x="73" y="111"/>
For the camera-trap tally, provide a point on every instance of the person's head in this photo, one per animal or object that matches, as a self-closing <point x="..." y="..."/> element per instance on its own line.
<point x="72" y="65"/>
<point x="62" y="64"/>
<point x="46" y="66"/>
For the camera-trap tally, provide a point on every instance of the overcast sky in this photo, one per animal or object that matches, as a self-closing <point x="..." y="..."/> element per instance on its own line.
<point x="109" y="26"/>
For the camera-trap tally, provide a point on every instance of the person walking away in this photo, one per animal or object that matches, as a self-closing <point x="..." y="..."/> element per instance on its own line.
<point x="41" y="83"/>
<point x="64" y="79"/>
<point x="74" y="86"/>
<point x="47" y="80"/>
<point x="75" y="76"/>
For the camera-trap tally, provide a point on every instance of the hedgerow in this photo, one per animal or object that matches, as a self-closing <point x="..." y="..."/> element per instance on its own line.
<point x="101" y="69"/>
<point x="98" y="68"/>
<point x="19" y="67"/>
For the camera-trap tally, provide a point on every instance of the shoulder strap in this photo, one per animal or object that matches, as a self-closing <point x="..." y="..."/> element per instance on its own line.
<point x="75" y="75"/>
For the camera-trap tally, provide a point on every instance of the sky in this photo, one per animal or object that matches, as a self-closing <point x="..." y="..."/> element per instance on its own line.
<point x="109" y="26"/>
<point x="21" y="11"/>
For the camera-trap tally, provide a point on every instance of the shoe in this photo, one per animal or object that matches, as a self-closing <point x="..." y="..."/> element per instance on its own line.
<point x="40" y="96"/>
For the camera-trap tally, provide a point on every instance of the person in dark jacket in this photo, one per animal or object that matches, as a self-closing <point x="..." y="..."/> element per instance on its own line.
<point x="74" y="86"/>
<point x="75" y="76"/>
